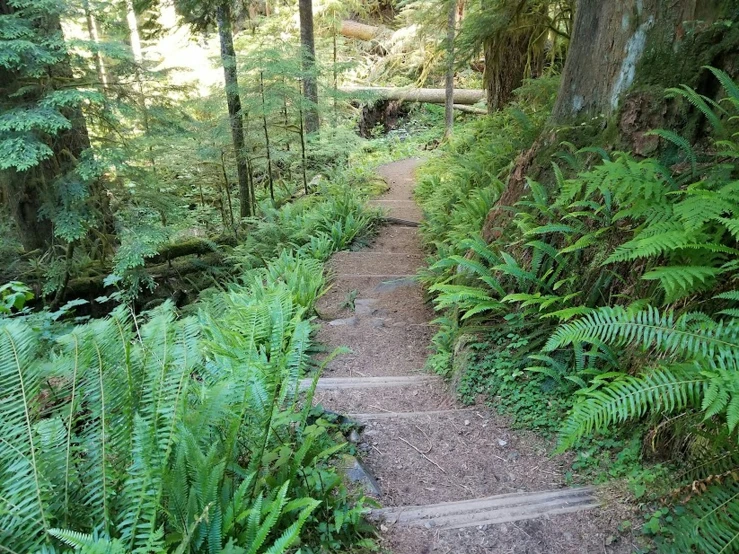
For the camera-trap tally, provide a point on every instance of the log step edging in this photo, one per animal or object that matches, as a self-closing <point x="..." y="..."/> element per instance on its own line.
<point x="491" y="510"/>
<point x="362" y="417"/>
<point x="330" y="383"/>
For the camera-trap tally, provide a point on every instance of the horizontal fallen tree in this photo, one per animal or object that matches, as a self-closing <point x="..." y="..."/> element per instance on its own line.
<point x="429" y="95"/>
<point x="359" y="31"/>
<point x="470" y="109"/>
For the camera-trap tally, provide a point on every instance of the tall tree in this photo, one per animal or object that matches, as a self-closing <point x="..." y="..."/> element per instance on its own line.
<point x="310" y="84"/>
<point x="233" y="100"/>
<point x="449" y="98"/>
<point x="514" y="36"/>
<point x="45" y="176"/>
<point x="200" y="15"/>
<point x="92" y="33"/>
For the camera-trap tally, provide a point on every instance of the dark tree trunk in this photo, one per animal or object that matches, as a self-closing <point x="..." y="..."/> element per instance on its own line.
<point x="310" y="86"/>
<point x="505" y="67"/>
<point x="616" y="45"/>
<point x="26" y="192"/>
<point x="449" y="78"/>
<point x="228" y="59"/>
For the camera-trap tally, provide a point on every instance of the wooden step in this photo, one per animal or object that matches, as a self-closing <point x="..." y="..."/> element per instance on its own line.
<point x="405" y="415"/>
<point x="491" y="510"/>
<point x="326" y="383"/>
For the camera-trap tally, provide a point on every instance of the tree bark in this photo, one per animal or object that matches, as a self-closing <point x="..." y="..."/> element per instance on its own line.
<point x="359" y="31"/>
<point x="505" y="67"/>
<point x="310" y="85"/>
<point x="612" y="41"/>
<point x="449" y="78"/>
<point x="233" y="100"/>
<point x="133" y="32"/>
<point x="428" y="95"/>
<point x="26" y="192"/>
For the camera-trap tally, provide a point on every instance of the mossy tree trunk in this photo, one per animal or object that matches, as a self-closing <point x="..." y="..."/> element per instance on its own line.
<point x="505" y="67"/>
<point x="233" y="100"/>
<point x="617" y="45"/>
<point x="28" y="193"/>
<point x="449" y="77"/>
<point x="310" y="85"/>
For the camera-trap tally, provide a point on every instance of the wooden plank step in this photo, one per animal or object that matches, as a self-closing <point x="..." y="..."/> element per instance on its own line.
<point x="405" y="415"/>
<point x="491" y="510"/>
<point x="375" y="276"/>
<point x="327" y="383"/>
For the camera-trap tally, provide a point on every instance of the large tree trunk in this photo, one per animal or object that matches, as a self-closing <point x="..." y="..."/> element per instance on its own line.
<point x="617" y="44"/>
<point x="310" y="86"/>
<point x="505" y="67"/>
<point x="622" y="57"/>
<point x="449" y="77"/>
<point x="27" y="192"/>
<point x="233" y="100"/>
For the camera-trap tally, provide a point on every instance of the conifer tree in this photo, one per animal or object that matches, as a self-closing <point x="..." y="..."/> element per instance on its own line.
<point x="46" y="168"/>
<point x="310" y="85"/>
<point x="201" y="15"/>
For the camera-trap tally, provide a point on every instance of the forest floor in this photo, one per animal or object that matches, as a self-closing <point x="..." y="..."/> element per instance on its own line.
<point x="451" y="479"/>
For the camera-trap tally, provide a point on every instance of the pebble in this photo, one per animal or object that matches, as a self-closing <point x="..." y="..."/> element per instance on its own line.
<point x="466" y="421"/>
<point x="501" y="442"/>
<point x="354" y="436"/>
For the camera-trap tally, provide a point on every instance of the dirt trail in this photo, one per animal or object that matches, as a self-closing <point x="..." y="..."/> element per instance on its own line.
<point x="423" y="449"/>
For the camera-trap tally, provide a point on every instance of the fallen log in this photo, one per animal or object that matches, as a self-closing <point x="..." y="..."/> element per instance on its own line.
<point x="428" y="95"/>
<point x="470" y="109"/>
<point x="191" y="247"/>
<point x="94" y="285"/>
<point x="360" y="31"/>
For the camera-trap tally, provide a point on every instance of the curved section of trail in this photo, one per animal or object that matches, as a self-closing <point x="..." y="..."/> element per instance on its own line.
<point x="451" y="479"/>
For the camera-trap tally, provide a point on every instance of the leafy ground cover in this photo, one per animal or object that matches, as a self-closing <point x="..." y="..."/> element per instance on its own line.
<point x="603" y="307"/>
<point x="165" y="432"/>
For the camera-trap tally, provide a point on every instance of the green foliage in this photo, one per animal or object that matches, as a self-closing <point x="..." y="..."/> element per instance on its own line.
<point x="636" y="261"/>
<point x="14" y="296"/>
<point x="532" y="399"/>
<point x="458" y="188"/>
<point x="169" y="434"/>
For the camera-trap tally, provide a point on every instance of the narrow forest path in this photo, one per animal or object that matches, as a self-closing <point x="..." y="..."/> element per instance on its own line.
<point x="451" y="479"/>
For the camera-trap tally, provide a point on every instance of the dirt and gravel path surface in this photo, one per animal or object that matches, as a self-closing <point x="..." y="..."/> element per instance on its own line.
<point x="451" y="479"/>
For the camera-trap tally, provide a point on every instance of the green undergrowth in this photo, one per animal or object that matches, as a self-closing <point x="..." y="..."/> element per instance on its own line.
<point x="604" y="307"/>
<point x="162" y="432"/>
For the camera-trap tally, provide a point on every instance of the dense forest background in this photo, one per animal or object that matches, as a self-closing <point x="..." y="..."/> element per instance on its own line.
<point x="174" y="174"/>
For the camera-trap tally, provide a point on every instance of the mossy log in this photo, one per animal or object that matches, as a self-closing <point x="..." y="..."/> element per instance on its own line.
<point x="165" y="265"/>
<point x="92" y="286"/>
<point x="192" y="247"/>
<point x="429" y="95"/>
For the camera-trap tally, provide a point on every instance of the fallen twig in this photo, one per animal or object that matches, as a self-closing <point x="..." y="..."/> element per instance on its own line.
<point x="424" y="455"/>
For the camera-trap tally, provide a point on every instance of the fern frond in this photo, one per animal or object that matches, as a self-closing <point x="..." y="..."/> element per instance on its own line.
<point x="663" y="391"/>
<point x="717" y="344"/>
<point x="679" y="281"/>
